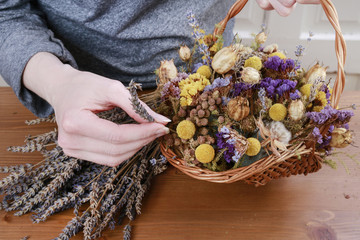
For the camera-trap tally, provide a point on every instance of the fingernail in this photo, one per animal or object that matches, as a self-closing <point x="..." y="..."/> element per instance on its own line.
<point x="163" y="131"/>
<point x="163" y="119"/>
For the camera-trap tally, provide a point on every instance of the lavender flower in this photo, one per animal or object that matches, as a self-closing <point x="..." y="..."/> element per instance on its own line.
<point x="153" y="161"/>
<point x="198" y="35"/>
<point x="299" y="50"/>
<point x="261" y="95"/>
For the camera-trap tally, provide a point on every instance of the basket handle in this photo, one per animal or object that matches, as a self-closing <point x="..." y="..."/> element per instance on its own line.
<point x="340" y="46"/>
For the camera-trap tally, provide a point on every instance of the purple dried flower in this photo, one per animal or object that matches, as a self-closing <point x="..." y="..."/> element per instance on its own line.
<point x="316" y="133"/>
<point x="327" y="113"/>
<point x="217" y="83"/>
<point x="171" y="87"/>
<point x="224" y="141"/>
<point x="295" y="95"/>
<point x="196" y="67"/>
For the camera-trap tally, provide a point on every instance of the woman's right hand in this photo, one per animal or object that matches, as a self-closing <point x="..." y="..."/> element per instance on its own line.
<point x="283" y="7"/>
<point x="76" y="97"/>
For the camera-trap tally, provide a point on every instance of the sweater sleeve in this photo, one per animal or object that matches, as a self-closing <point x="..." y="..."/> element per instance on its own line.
<point x="23" y="33"/>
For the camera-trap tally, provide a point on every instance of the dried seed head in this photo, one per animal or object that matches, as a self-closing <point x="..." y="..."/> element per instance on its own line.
<point x="224" y="60"/>
<point x="341" y="138"/>
<point x="184" y="53"/>
<point x="238" y="108"/>
<point x="296" y="110"/>
<point x="315" y="72"/>
<point x="167" y="71"/>
<point x="250" y="75"/>
<point x="271" y="48"/>
<point x="260" y="38"/>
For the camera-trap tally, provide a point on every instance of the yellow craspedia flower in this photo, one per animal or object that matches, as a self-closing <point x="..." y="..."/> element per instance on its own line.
<point x="321" y="101"/>
<point x="204" y="70"/>
<point x="279" y="54"/>
<point x="253" y="147"/>
<point x="306" y="89"/>
<point x="205" y="153"/>
<point x="254" y="62"/>
<point x="190" y="86"/>
<point x="278" y="112"/>
<point x="185" y="129"/>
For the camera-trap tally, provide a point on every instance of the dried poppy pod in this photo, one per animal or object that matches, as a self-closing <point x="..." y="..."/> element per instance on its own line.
<point x="340" y="138"/>
<point x="315" y="72"/>
<point x="238" y="108"/>
<point x="296" y="110"/>
<point x="241" y="143"/>
<point x="184" y="53"/>
<point x="224" y="60"/>
<point x="167" y="71"/>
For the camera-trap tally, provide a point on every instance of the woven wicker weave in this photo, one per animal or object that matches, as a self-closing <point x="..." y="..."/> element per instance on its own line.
<point x="298" y="159"/>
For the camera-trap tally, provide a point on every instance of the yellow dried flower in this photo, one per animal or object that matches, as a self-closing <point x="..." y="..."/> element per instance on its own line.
<point x="190" y="87"/>
<point x="279" y="54"/>
<point x="254" y="147"/>
<point x="185" y="129"/>
<point x="204" y="70"/>
<point x="321" y="98"/>
<point x="216" y="47"/>
<point x="254" y="62"/>
<point x="205" y="153"/>
<point x="306" y="89"/>
<point x="278" y="112"/>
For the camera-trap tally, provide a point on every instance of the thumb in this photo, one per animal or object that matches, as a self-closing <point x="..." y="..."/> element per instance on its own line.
<point x="118" y="95"/>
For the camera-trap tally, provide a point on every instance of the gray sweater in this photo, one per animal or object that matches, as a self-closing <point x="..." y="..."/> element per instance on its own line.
<point x="119" y="39"/>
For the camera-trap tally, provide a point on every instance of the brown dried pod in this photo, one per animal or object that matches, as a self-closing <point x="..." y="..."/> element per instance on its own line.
<point x="238" y="108"/>
<point x="184" y="53"/>
<point x="224" y="60"/>
<point x="241" y="143"/>
<point x="167" y="71"/>
<point x="315" y="72"/>
<point x="296" y="110"/>
<point x="340" y="138"/>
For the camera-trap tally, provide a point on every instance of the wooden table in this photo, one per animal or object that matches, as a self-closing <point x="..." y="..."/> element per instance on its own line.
<point x="325" y="204"/>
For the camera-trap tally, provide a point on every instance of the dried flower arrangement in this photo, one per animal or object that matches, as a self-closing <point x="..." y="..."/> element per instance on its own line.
<point x="239" y="113"/>
<point x="248" y="112"/>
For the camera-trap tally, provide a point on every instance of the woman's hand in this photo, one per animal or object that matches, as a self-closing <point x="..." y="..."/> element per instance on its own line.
<point x="283" y="7"/>
<point x="76" y="96"/>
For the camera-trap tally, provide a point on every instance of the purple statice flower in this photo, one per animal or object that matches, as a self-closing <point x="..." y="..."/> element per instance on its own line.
<point x="295" y="95"/>
<point x="327" y="113"/>
<point x="278" y="64"/>
<point x="196" y="66"/>
<point x="217" y="83"/>
<point x="297" y="64"/>
<point x="224" y="140"/>
<point x="273" y="63"/>
<point x="346" y="126"/>
<point x="275" y="87"/>
<point x="241" y="87"/>
<point x="316" y="133"/>
<point x="171" y="88"/>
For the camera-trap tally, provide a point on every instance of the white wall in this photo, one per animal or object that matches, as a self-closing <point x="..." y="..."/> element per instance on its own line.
<point x="2" y="82"/>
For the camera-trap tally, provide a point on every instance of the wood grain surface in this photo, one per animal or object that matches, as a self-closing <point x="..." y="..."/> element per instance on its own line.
<point x="320" y="206"/>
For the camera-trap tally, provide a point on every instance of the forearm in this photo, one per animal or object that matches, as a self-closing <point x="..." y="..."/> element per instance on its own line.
<point x="45" y="73"/>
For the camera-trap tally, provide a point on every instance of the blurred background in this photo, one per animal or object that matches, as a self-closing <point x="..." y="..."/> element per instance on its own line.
<point x="288" y="32"/>
<point x="294" y="30"/>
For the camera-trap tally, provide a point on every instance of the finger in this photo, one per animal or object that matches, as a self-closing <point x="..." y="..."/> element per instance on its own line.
<point x="120" y="96"/>
<point x="86" y="123"/>
<point x="81" y="143"/>
<point x="281" y="9"/>
<point x="308" y="1"/>
<point x="287" y="3"/>
<point x="265" y="4"/>
<point x="111" y="161"/>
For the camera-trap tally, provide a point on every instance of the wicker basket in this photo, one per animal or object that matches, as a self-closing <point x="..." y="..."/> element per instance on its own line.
<point x="298" y="159"/>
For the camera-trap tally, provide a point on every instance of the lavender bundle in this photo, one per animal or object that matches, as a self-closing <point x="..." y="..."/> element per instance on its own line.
<point x="59" y="182"/>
